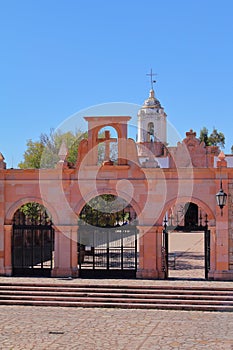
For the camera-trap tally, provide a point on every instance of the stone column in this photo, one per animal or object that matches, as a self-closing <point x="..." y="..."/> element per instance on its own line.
<point x="2" y="211"/>
<point x="148" y="252"/>
<point x="222" y="241"/>
<point x="212" y="252"/>
<point x="222" y="262"/>
<point x="122" y="152"/>
<point x="161" y="273"/>
<point x="65" y="251"/>
<point x="2" y="270"/>
<point x="7" y="250"/>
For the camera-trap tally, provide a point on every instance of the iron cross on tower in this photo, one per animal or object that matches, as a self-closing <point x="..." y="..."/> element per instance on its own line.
<point x="151" y="74"/>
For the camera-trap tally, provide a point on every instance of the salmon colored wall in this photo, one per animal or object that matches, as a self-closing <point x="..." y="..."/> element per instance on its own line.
<point x="151" y="191"/>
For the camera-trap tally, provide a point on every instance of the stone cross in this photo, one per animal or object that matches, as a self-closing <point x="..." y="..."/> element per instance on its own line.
<point x="107" y="139"/>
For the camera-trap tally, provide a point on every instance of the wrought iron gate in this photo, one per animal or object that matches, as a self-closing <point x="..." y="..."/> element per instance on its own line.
<point x="107" y="239"/>
<point x="171" y="225"/>
<point x="165" y="251"/>
<point x="108" y="252"/>
<point x="207" y="252"/>
<point x="32" y="245"/>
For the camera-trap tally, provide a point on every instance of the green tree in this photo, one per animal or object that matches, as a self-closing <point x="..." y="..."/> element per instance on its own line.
<point x="204" y="136"/>
<point x="106" y="210"/>
<point x="216" y="138"/>
<point x="43" y="153"/>
<point x="33" y="211"/>
<point x="32" y="156"/>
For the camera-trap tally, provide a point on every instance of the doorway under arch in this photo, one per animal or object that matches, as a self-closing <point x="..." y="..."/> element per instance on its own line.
<point x="32" y="241"/>
<point x="107" y="239"/>
<point x="190" y="215"/>
<point x="186" y="243"/>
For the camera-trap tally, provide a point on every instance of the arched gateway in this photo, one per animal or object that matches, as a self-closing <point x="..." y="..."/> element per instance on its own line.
<point x="32" y="241"/>
<point x="147" y="179"/>
<point x="181" y="223"/>
<point x="107" y="238"/>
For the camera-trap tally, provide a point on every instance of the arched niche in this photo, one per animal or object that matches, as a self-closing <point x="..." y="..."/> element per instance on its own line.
<point x="107" y="145"/>
<point x="95" y="124"/>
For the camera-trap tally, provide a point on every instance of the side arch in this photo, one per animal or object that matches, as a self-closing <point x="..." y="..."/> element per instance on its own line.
<point x="200" y="203"/>
<point x="16" y="205"/>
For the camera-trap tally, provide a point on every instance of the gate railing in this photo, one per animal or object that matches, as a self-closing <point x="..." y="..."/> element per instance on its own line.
<point x="169" y="225"/>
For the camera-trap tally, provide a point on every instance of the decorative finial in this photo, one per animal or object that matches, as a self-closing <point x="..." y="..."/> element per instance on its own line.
<point x="151" y="74"/>
<point x="1" y="157"/>
<point x="2" y="163"/>
<point x="221" y="156"/>
<point x="63" y="151"/>
<point x="221" y="163"/>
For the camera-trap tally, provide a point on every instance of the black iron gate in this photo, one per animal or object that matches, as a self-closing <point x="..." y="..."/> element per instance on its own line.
<point x="107" y="239"/>
<point x="165" y="251"/>
<point x="207" y="252"/>
<point x="107" y="252"/>
<point x="170" y="225"/>
<point x="32" y="245"/>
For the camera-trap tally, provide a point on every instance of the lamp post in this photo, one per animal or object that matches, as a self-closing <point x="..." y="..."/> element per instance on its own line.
<point x="221" y="197"/>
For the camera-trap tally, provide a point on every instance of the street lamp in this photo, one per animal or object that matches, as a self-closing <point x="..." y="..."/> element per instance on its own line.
<point x="221" y="198"/>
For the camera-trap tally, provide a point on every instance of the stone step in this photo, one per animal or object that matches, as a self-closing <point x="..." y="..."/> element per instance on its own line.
<point x="113" y="286"/>
<point x="117" y="294"/>
<point x="116" y="289"/>
<point x="108" y="299"/>
<point x="120" y="296"/>
<point x="166" y="306"/>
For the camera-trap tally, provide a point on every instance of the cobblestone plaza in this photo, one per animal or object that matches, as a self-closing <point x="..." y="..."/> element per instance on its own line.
<point x="34" y="327"/>
<point x="24" y="328"/>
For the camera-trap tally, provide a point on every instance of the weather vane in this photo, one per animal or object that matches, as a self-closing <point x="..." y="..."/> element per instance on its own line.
<point x="151" y="74"/>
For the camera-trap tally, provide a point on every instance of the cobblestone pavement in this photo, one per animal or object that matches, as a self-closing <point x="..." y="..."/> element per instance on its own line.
<point x="24" y="328"/>
<point x="40" y="328"/>
<point x="45" y="328"/>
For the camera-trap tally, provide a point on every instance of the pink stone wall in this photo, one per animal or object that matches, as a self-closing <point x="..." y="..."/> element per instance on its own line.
<point x="151" y="191"/>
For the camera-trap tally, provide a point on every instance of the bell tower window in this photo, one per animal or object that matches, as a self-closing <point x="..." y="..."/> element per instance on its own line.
<point x="150" y="131"/>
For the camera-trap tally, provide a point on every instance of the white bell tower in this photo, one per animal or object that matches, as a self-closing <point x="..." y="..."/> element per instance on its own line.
<point x="152" y="123"/>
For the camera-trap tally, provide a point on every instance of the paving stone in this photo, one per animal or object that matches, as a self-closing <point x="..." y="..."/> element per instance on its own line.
<point x="26" y="328"/>
<point x="48" y="328"/>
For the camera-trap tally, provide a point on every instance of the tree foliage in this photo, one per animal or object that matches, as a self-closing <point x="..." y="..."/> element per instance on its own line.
<point x="106" y="210"/>
<point x="43" y="153"/>
<point x="216" y="138"/>
<point x="32" y="156"/>
<point x="31" y="210"/>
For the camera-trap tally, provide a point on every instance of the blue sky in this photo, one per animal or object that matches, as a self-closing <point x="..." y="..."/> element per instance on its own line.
<point x="58" y="57"/>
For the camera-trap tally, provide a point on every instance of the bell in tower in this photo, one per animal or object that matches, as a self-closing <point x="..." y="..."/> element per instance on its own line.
<point x="152" y="124"/>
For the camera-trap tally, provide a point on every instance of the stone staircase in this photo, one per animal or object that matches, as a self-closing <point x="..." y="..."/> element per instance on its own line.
<point x="117" y="296"/>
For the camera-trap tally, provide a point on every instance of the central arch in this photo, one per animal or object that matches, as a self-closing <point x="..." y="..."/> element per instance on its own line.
<point x="107" y="238"/>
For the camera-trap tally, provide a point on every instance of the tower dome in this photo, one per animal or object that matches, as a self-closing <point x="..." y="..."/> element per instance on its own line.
<point x="151" y="102"/>
<point x="152" y="124"/>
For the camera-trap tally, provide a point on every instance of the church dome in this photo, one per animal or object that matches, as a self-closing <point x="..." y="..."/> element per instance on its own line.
<point x="151" y="102"/>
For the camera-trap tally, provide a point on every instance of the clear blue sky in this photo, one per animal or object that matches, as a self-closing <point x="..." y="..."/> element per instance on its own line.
<point x="58" y="57"/>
